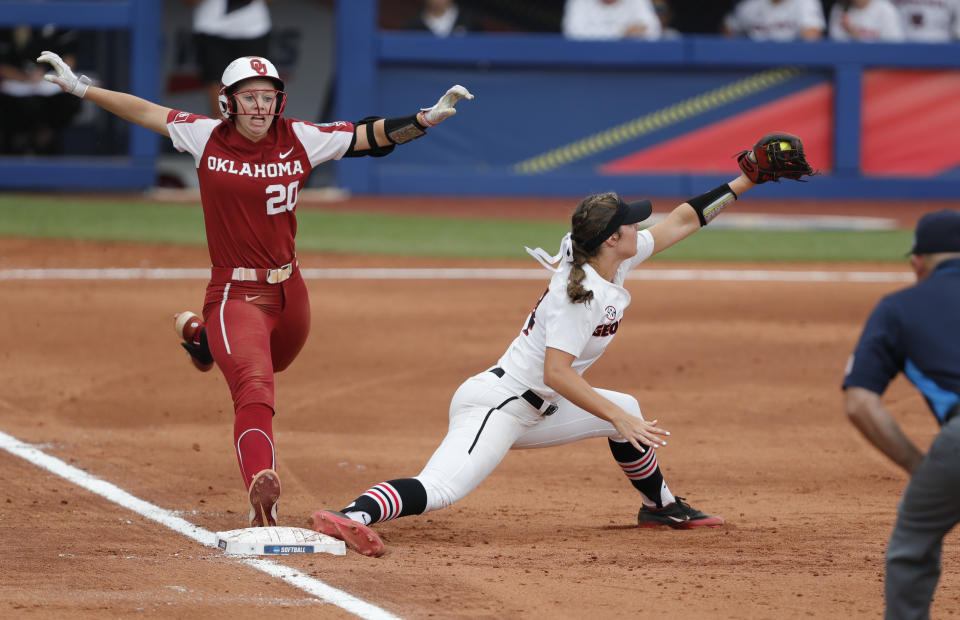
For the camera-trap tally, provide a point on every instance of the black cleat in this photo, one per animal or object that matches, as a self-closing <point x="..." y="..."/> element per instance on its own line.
<point x="678" y="515"/>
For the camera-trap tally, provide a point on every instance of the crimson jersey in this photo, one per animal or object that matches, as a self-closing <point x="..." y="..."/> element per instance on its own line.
<point x="249" y="189"/>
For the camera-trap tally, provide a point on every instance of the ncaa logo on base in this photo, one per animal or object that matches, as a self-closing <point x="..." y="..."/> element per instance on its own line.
<point x="287" y="549"/>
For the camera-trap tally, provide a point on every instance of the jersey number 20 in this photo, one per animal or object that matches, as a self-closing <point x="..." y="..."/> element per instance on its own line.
<point x="282" y="198"/>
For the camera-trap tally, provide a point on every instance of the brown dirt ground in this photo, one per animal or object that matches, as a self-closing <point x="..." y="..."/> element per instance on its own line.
<point x="745" y="375"/>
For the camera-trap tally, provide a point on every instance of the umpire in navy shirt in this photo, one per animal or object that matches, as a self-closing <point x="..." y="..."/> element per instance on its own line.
<point x="916" y="331"/>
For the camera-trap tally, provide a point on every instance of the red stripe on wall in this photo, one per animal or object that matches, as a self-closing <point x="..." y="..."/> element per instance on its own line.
<point x="808" y="114"/>
<point x="911" y="122"/>
<point x="910" y="127"/>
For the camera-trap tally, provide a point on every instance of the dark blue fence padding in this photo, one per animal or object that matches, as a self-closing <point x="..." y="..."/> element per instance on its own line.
<point x="141" y="18"/>
<point x="539" y="92"/>
<point x="521" y="113"/>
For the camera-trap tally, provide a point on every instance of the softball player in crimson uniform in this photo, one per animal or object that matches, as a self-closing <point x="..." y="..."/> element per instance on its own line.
<point x="536" y="396"/>
<point x="251" y="165"/>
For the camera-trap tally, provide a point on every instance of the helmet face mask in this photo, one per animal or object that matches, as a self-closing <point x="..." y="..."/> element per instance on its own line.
<point x="246" y="68"/>
<point x="255" y="102"/>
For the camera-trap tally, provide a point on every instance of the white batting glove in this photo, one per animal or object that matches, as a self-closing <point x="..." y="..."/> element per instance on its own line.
<point x="443" y="109"/>
<point x="64" y="77"/>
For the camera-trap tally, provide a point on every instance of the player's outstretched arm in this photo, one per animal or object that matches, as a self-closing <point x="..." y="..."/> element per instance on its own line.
<point x="128" y="107"/>
<point x="689" y="217"/>
<point x="376" y="136"/>
<point x="775" y="156"/>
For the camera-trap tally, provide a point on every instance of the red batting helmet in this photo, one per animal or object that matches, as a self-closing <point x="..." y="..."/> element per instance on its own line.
<point x="245" y="68"/>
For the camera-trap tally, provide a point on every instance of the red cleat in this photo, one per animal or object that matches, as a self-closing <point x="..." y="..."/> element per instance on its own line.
<point x="264" y="495"/>
<point x="358" y="536"/>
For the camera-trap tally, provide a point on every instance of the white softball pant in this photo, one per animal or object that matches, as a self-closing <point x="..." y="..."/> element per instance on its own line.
<point x="480" y="434"/>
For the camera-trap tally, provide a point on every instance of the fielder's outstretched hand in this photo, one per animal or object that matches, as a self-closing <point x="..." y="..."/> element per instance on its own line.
<point x="638" y="431"/>
<point x="776" y="156"/>
<point x="64" y="77"/>
<point x="444" y="109"/>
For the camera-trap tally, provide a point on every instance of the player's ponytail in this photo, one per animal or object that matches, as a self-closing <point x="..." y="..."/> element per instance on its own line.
<point x="589" y="219"/>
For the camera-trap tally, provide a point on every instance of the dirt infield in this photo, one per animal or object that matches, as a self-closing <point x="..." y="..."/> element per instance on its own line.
<point x="745" y="375"/>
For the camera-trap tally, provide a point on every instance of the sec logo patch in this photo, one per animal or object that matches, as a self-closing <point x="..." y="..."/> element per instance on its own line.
<point x="611" y="312"/>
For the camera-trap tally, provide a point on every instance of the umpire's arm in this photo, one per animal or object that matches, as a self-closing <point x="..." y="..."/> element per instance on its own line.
<point x="866" y="411"/>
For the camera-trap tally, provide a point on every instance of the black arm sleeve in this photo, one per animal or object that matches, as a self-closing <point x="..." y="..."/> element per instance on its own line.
<point x="374" y="150"/>
<point x="399" y="131"/>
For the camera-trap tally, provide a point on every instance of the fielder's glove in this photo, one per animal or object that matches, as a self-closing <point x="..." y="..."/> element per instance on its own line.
<point x="64" y="76"/>
<point x="443" y="109"/>
<point x="775" y="156"/>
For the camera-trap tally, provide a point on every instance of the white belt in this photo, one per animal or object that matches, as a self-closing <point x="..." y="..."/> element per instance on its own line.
<point x="270" y="276"/>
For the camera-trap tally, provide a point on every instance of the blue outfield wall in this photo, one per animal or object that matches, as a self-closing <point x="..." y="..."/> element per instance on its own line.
<point x="141" y="18"/>
<point x="549" y="113"/>
<point x="538" y="94"/>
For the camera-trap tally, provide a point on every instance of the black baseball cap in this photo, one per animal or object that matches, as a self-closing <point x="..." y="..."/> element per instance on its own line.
<point x="626" y="213"/>
<point x="937" y="232"/>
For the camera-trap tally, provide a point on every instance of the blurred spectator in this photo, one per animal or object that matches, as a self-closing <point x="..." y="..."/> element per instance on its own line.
<point x="610" y="19"/>
<point x="699" y="17"/>
<point x="224" y="30"/>
<point x="930" y="21"/>
<point x="665" y="14"/>
<point x="33" y="116"/>
<point x="443" y="18"/>
<point x="777" y="20"/>
<point x="865" y="20"/>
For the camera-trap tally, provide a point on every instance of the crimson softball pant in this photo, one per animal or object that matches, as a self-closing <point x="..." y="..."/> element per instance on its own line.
<point x="482" y="430"/>
<point x="254" y="330"/>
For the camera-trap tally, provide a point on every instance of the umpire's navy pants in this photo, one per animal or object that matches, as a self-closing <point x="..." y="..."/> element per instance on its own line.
<point x="929" y="509"/>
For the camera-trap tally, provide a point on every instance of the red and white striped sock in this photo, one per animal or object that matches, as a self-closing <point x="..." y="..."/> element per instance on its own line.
<point x="643" y="472"/>
<point x="389" y="500"/>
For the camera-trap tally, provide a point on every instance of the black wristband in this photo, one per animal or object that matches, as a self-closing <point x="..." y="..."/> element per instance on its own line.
<point x="710" y="204"/>
<point x="403" y="129"/>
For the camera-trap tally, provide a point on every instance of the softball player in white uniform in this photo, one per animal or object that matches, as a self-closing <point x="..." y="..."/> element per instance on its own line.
<point x="535" y="396"/>
<point x="930" y="21"/>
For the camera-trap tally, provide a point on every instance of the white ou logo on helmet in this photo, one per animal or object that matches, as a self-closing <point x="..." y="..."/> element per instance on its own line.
<point x="249" y="67"/>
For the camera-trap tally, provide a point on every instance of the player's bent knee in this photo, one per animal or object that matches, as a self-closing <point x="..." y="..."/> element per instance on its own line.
<point x="626" y="402"/>
<point x="252" y="394"/>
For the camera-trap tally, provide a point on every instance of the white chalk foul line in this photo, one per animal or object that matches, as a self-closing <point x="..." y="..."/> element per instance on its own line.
<point x="679" y="275"/>
<point x="207" y="538"/>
